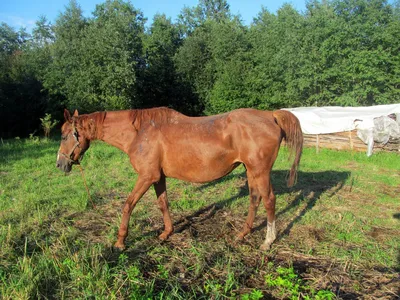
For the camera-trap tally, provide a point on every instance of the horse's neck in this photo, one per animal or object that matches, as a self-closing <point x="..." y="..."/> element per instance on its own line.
<point x="119" y="128"/>
<point x="116" y="128"/>
<point x="112" y="129"/>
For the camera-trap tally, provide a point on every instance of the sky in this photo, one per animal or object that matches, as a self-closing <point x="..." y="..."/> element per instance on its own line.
<point x="24" y="13"/>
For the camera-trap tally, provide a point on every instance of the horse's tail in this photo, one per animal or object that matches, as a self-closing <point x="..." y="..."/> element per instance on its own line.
<point x="293" y="135"/>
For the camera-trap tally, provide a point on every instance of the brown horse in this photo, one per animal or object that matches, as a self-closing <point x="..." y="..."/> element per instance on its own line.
<point x="163" y="143"/>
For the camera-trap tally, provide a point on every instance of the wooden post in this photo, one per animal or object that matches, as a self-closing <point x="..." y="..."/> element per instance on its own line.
<point x="317" y="143"/>
<point x="351" y="140"/>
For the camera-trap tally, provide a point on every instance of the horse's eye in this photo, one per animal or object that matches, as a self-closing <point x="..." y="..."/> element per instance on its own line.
<point x="76" y="134"/>
<point x="63" y="137"/>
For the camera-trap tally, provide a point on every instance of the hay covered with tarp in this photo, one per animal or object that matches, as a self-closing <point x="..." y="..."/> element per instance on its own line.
<point x="368" y="129"/>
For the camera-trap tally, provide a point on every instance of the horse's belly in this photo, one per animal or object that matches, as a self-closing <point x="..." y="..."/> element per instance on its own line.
<point x="200" y="176"/>
<point x="194" y="168"/>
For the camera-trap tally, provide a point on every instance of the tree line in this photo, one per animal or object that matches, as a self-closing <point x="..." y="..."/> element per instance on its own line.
<point x="336" y="52"/>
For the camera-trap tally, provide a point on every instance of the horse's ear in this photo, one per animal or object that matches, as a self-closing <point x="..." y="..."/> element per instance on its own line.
<point x="67" y="116"/>
<point x="76" y="113"/>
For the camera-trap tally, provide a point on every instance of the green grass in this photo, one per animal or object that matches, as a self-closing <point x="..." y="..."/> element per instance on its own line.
<point x="338" y="228"/>
<point x="290" y="286"/>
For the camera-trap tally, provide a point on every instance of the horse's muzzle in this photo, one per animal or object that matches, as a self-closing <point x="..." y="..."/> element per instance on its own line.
<point x="64" y="165"/>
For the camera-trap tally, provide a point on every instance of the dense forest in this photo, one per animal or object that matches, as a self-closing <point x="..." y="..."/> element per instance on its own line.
<point x="206" y="61"/>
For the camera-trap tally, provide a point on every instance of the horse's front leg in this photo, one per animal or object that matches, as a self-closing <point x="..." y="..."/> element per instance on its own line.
<point x="141" y="186"/>
<point x="162" y="201"/>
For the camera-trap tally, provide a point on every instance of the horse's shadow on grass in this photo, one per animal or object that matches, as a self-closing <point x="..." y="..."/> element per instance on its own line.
<point x="309" y="188"/>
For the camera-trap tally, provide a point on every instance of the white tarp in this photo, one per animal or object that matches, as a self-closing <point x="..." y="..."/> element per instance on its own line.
<point x="331" y="119"/>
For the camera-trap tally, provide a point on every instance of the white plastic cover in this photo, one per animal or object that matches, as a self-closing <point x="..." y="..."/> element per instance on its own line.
<point x="383" y="129"/>
<point x="331" y="119"/>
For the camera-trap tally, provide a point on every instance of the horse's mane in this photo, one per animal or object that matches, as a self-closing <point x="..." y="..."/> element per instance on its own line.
<point x="137" y="117"/>
<point x="158" y="115"/>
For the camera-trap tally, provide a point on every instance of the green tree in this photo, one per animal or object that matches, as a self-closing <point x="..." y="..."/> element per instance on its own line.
<point x="22" y="98"/>
<point x="229" y="47"/>
<point x="369" y="60"/>
<point x="276" y="41"/>
<point x="193" y="63"/>
<point x="192" y="17"/>
<point x="95" y="60"/>
<point x="336" y="52"/>
<point x="112" y="55"/>
<point x="157" y="81"/>
<point x="42" y="33"/>
<point x="62" y="79"/>
<point x="213" y="57"/>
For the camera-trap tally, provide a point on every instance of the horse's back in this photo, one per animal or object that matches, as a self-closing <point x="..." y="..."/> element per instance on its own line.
<point x="254" y="124"/>
<point x="206" y="148"/>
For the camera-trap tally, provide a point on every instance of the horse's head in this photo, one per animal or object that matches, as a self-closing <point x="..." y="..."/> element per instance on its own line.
<point x="75" y="140"/>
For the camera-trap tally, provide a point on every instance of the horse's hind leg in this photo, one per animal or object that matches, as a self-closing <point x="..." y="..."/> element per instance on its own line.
<point x="162" y="201"/>
<point x="269" y="201"/>
<point x="260" y="187"/>
<point x="255" y="198"/>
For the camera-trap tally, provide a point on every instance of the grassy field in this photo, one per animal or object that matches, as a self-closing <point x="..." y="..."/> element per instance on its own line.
<point x="339" y="231"/>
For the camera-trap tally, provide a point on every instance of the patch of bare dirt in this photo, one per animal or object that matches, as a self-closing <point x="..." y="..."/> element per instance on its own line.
<point x="389" y="190"/>
<point x="93" y="224"/>
<point x="305" y="236"/>
<point x="380" y="234"/>
<point x="345" y="279"/>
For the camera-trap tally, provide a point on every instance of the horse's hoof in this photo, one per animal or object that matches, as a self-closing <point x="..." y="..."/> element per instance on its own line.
<point x="240" y="237"/>
<point x="164" y="236"/>
<point x="118" y="247"/>
<point x="265" y="247"/>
